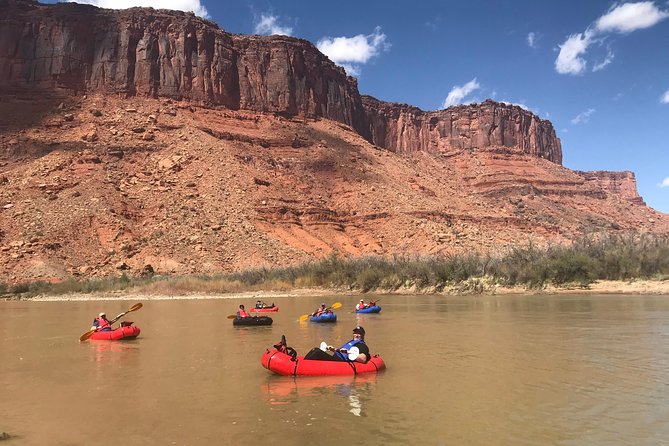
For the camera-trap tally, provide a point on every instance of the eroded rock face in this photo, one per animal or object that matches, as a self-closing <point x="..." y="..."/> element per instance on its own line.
<point x="143" y="141"/>
<point x="621" y="184"/>
<point x="158" y="53"/>
<point x="404" y="128"/>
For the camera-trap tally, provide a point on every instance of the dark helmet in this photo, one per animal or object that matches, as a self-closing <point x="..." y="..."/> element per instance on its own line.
<point x="359" y="330"/>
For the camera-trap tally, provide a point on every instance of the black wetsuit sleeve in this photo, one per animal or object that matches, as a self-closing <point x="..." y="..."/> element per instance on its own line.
<point x="363" y="348"/>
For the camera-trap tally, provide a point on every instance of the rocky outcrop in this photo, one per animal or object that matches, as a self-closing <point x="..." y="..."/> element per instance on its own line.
<point x="404" y="128"/>
<point x="159" y="53"/>
<point x="620" y="184"/>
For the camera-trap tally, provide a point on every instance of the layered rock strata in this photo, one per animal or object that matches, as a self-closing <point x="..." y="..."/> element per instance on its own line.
<point x="158" y="53"/>
<point x="621" y="184"/>
<point x="405" y="128"/>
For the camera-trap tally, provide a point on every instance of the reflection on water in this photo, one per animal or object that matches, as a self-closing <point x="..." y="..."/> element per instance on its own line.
<point x="349" y="390"/>
<point x="356" y="406"/>
<point x="476" y="370"/>
<point x="110" y="351"/>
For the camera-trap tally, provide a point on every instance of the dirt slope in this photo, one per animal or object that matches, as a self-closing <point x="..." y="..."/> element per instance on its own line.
<point x="96" y="186"/>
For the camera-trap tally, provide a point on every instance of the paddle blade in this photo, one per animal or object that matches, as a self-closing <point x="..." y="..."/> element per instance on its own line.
<point x="135" y="307"/>
<point x="86" y="335"/>
<point x="304" y="317"/>
<point x="353" y="353"/>
<point x="336" y="305"/>
<point x="232" y="316"/>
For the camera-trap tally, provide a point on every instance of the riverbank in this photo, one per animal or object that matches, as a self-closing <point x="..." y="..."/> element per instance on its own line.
<point x="636" y="287"/>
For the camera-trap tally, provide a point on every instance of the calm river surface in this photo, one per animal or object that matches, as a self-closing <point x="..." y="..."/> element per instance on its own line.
<point x="491" y="370"/>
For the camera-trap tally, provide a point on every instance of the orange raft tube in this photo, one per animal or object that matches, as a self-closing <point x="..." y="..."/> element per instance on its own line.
<point x="284" y="364"/>
<point x="125" y="331"/>
<point x="271" y="309"/>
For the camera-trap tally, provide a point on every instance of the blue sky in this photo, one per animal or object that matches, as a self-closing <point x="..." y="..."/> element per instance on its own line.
<point x="599" y="70"/>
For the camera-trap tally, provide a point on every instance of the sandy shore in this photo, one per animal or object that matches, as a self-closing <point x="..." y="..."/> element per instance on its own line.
<point x="601" y="287"/>
<point x="637" y="287"/>
<point x="266" y="296"/>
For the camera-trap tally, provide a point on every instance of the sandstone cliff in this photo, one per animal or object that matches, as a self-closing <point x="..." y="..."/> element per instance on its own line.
<point x="621" y="184"/>
<point x="160" y="53"/>
<point x="405" y="128"/>
<point x="142" y="137"/>
<point x="177" y="55"/>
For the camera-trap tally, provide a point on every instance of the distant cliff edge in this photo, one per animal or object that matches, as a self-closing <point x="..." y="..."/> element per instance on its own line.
<point x="161" y="53"/>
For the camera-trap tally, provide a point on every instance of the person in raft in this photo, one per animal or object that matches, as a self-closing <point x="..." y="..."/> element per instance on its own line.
<point x="242" y="312"/>
<point x="341" y="354"/>
<point x="101" y="323"/>
<point x="361" y="305"/>
<point x="321" y="310"/>
<point x="260" y="304"/>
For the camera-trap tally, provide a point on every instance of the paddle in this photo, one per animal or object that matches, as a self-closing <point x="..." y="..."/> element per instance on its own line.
<point x="89" y="333"/>
<point x="335" y="305"/>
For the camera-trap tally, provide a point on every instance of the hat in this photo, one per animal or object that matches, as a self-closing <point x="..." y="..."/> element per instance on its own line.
<point x="323" y="304"/>
<point x="361" y="300"/>
<point x="102" y="314"/>
<point x="359" y="329"/>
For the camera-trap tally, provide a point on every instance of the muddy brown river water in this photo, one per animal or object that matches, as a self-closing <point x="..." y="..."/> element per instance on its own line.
<point x="489" y="370"/>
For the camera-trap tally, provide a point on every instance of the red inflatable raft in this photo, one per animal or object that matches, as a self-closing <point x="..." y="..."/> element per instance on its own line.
<point x="125" y="331"/>
<point x="283" y="364"/>
<point x="265" y="309"/>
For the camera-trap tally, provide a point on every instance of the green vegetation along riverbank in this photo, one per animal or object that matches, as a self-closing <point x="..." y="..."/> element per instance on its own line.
<point x="585" y="265"/>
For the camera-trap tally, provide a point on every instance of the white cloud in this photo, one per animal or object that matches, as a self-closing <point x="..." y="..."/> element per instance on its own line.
<point x="532" y="40"/>
<point x="350" y="52"/>
<point x="665" y="97"/>
<point x="569" y="60"/>
<point x="351" y="70"/>
<point x="664" y="183"/>
<point x="629" y="17"/>
<point x="607" y="60"/>
<point x="179" y="5"/>
<point x="583" y="117"/>
<point x="434" y="24"/>
<point x="267" y="25"/>
<point x="622" y="18"/>
<point x="459" y="93"/>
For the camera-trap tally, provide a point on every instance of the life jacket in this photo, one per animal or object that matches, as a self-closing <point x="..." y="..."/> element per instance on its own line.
<point x="348" y="346"/>
<point x="360" y="306"/>
<point x="103" y="324"/>
<point x="242" y="313"/>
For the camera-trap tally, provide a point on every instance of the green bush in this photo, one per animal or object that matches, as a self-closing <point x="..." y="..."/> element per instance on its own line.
<point x="588" y="259"/>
